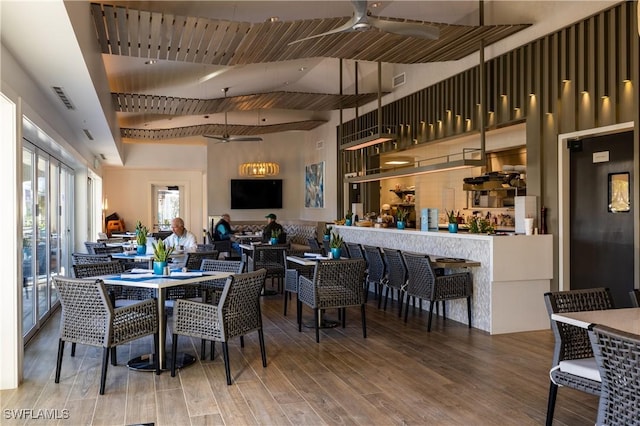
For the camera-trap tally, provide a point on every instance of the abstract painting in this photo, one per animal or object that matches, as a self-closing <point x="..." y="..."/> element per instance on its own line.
<point x="314" y="185"/>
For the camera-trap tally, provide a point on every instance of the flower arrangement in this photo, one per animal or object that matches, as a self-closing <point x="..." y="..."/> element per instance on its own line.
<point x="336" y="241"/>
<point x="161" y="252"/>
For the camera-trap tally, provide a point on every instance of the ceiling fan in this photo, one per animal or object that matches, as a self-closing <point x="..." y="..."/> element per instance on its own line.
<point x="225" y="138"/>
<point x="362" y="21"/>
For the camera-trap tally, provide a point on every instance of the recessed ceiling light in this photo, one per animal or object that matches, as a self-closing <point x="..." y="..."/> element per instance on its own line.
<point x="273" y="19"/>
<point x="397" y="162"/>
<point x="376" y="4"/>
<point x="150" y="62"/>
<point x="302" y="68"/>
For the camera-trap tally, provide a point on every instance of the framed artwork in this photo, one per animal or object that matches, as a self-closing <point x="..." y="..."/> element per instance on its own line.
<point x="314" y="185"/>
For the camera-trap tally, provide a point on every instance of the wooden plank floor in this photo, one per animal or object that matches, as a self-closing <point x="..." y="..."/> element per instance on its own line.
<point x="398" y="375"/>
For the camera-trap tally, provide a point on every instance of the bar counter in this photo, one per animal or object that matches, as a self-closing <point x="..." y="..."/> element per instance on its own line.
<point x="508" y="287"/>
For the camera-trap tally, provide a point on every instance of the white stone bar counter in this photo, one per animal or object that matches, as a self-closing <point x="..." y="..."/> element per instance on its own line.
<point x="508" y="287"/>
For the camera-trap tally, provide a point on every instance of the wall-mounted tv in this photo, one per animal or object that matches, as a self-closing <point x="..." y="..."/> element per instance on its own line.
<point x="256" y="193"/>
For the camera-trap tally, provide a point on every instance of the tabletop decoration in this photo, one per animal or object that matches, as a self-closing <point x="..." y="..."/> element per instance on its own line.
<point x="401" y="215"/>
<point x="452" y="217"/>
<point x="161" y="254"/>
<point x="336" y="245"/>
<point x="141" y="238"/>
<point x="327" y="233"/>
<point x="275" y="236"/>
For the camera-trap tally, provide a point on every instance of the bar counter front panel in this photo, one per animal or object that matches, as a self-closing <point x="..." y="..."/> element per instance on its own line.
<point x="508" y="287"/>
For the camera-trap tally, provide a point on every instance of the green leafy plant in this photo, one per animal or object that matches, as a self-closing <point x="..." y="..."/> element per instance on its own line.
<point x="402" y="214"/>
<point x="161" y="252"/>
<point x="141" y="233"/>
<point x="478" y="225"/>
<point x="275" y="233"/>
<point x="348" y="215"/>
<point x="452" y="216"/>
<point x="336" y="241"/>
<point x="327" y="230"/>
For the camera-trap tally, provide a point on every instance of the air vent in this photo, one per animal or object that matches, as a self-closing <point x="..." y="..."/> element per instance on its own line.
<point x="88" y="134"/>
<point x="320" y="144"/>
<point x="63" y="97"/>
<point x="399" y="80"/>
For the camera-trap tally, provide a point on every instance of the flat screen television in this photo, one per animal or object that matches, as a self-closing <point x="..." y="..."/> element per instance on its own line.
<point x="256" y="193"/>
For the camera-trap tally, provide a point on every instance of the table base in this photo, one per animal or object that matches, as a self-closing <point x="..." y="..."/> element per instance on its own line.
<point x="324" y="323"/>
<point x="146" y="362"/>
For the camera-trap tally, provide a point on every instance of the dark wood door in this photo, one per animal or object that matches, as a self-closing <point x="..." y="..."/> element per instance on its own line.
<point x="601" y="243"/>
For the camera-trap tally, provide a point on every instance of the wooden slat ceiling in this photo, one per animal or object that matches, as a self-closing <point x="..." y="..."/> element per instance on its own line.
<point x="154" y="35"/>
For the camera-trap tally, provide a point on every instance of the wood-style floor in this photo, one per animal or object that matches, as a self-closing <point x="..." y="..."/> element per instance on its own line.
<point x="398" y="375"/>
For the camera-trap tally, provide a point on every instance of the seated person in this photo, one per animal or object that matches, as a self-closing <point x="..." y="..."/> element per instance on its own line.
<point x="272" y="225"/>
<point x="222" y="231"/>
<point x="181" y="238"/>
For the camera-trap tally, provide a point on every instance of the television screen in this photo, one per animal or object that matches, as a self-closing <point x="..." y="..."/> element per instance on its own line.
<point x="256" y="193"/>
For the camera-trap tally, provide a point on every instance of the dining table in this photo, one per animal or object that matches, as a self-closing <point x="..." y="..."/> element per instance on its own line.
<point x="624" y="319"/>
<point x="160" y="283"/>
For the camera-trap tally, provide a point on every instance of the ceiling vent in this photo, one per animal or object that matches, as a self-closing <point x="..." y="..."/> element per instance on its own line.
<point x="63" y="97"/>
<point x="320" y="144"/>
<point x="399" y="80"/>
<point x="88" y="134"/>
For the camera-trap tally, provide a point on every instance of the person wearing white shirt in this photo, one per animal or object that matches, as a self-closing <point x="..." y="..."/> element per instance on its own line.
<point x="181" y="239"/>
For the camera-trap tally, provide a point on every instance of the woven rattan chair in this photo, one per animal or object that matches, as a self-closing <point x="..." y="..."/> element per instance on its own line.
<point x="572" y="344"/>
<point x="237" y="314"/>
<point x="335" y="284"/>
<point x="326" y="247"/>
<point x="194" y="260"/>
<point x="120" y="295"/>
<point x="108" y="249"/>
<point x="314" y="245"/>
<point x="376" y="270"/>
<point x="89" y="318"/>
<point x="617" y="354"/>
<point x="91" y="245"/>
<point x="81" y="258"/>
<point x="293" y="271"/>
<point x="395" y="279"/>
<point x="422" y="283"/>
<point x="635" y="298"/>
<point x="354" y="251"/>
<point x="271" y="258"/>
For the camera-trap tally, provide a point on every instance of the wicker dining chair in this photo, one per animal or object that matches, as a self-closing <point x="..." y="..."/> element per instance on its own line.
<point x="271" y="258"/>
<point x="376" y="271"/>
<point x="617" y="355"/>
<point x="194" y="259"/>
<point x="237" y="314"/>
<point x="292" y="271"/>
<point x="81" y="258"/>
<point x="335" y="284"/>
<point x="395" y="279"/>
<point x="108" y="250"/>
<point x="91" y="245"/>
<point x="572" y="345"/>
<point x="314" y="244"/>
<point x="89" y="318"/>
<point x="354" y="251"/>
<point x="119" y="295"/>
<point x="422" y="283"/>
<point x="635" y="298"/>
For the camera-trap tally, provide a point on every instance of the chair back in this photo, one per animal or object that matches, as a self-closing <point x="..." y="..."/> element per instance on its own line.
<point x="86" y="311"/>
<point x="221" y="246"/>
<point x="91" y="245"/>
<point x="618" y="357"/>
<point x="81" y="258"/>
<point x="355" y="251"/>
<point x="346" y="274"/>
<point x="376" y="267"/>
<point x="326" y="247"/>
<point x="236" y="266"/>
<point x="573" y="342"/>
<point x="314" y="244"/>
<point x="270" y="257"/>
<point x="108" y="250"/>
<point x="87" y="270"/>
<point x="420" y="275"/>
<point x="239" y="307"/>
<point x="194" y="260"/>
<point x="635" y="298"/>
<point x="396" y="269"/>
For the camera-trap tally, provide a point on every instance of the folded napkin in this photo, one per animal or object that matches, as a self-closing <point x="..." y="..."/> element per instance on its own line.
<point x="141" y="271"/>
<point x="185" y="274"/>
<point x="313" y="255"/>
<point x="147" y="275"/>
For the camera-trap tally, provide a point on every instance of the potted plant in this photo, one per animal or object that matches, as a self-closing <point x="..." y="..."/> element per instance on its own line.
<point x="327" y="233"/>
<point x="401" y="215"/>
<point x="453" y="221"/>
<point x="141" y="238"/>
<point x="275" y="236"/>
<point x="336" y="245"/>
<point x="347" y="218"/>
<point x="161" y="254"/>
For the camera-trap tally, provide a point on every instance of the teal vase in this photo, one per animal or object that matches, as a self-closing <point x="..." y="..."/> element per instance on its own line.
<point x="400" y="224"/>
<point x="273" y="241"/>
<point x="453" y="228"/>
<point x="326" y="237"/>
<point x="141" y="249"/>
<point x="347" y="222"/>
<point x="158" y="267"/>
<point x="336" y="252"/>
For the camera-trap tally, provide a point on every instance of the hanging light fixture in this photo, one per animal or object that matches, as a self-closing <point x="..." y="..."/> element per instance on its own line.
<point x="259" y="169"/>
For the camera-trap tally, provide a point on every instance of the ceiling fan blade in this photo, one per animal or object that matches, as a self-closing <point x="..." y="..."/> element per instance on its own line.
<point x="411" y="29"/>
<point x="220" y="138"/>
<point x="244" y="139"/>
<point x="341" y="29"/>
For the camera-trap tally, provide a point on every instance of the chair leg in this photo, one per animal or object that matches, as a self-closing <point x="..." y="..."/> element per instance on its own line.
<point x="59" y="360"/>
<point x="242" y="341"/>
<point x="430" y="315"/>
<point x="469" y="310"/>
<point x="156" y="352"/>
<point x="263" y="351"/>
<point x="444" y="310"/>
<point x="105" y="364"/>
<point x="213" y="350"/>
<point x="285" y="303"/>
<point x="551" y="403"/>
<point x="344" y="316"/>
<point x="174" y="353"/>
<point x="364" y="321"/>
<point x="225" y="355"/>
<point x="316" y="319"/>
<point x="400" y="302"/>
<point x="299" y="315"/>
<point x="406" y="310"/>
<point x="73" y="349"/>
<point x="203" y="348"/>
<point x="385" y="299"/>
<point x="114" y="356"/>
